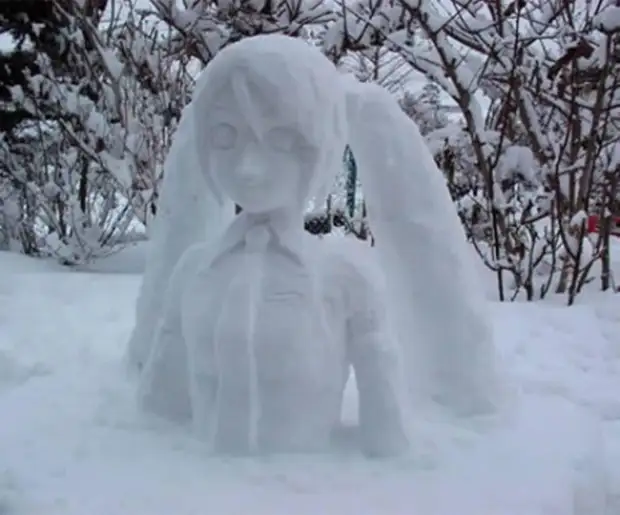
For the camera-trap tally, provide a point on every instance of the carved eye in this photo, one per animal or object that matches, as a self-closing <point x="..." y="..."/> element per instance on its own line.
<point x="223" y="136"/>
<point x="282" y="139"/>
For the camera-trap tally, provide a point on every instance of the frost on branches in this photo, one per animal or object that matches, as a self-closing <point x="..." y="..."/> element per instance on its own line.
<point x="88" y="103"/>
<point x="541" y="157"/>
<point x="201" y="28"/>
<point x="528" y="143"/>
<point x="91" y="93"/>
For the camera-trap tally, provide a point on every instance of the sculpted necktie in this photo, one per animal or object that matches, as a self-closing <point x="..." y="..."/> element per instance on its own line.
<point x="238" y="403"/>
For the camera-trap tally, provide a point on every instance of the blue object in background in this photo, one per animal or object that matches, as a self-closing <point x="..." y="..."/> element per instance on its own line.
<point x="351" y="184"/>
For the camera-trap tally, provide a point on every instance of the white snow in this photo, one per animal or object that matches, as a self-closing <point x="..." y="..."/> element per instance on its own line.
<point x="441" y="318"/>
<point x="72" y="442"/>
<point x="608" y="19"/>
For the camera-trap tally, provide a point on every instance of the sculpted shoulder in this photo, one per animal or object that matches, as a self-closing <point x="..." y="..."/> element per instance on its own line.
<point x="353" y="264"/>
<point x="190" y="264"/>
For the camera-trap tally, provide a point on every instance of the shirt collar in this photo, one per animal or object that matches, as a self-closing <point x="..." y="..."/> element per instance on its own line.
<point x="286" y="230"/>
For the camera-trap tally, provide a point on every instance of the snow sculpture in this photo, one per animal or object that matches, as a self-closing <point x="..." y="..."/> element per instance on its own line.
<point x="260" y="321"/>
<point x="187" y="212"/>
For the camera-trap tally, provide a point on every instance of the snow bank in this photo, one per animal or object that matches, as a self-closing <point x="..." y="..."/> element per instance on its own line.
<point x="74" y="443"/>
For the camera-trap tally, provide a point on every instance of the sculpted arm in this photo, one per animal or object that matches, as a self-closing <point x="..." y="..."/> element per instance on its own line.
<point x="376" y="360"/>
<point x="163" y="389"/>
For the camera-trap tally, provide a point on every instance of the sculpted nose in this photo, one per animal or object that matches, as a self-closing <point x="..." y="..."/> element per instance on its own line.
<point x="250" y="169"/>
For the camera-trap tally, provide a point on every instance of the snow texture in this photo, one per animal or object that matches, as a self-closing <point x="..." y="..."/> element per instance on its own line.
<point x="72" y="442"/>
<point x="259" y="328"/>
<point x="172" y="232"/>
<point x="436" y="293"/>
<point x="189" y="194"/>
<point x="221" y="357"/>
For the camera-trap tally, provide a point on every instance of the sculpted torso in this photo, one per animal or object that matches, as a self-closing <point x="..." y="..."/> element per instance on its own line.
<point x="303" y="353"/>
<point x="297" y="356"/>
<point x="261" y="326"/>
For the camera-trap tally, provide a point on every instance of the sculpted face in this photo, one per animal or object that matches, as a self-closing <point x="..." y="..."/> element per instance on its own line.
<point x="258" y="156"/>
<point x="270" y="123"/>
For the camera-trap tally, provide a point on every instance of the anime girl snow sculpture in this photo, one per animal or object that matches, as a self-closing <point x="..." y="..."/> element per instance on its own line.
<point x="260" y="322"/>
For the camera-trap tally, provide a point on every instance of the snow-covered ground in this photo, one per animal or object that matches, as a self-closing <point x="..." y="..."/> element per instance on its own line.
<point x="71" y="442"/>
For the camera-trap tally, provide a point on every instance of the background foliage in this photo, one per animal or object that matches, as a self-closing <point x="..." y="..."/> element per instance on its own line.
<point x="519" y="102"/>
